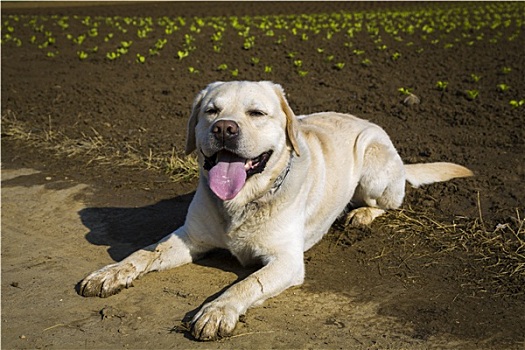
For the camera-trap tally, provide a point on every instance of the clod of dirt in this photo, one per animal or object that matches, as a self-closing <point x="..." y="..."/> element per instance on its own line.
<point x="110" y="312"/>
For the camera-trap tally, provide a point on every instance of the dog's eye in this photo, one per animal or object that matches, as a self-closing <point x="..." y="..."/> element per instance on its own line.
<point x="256" y="113"/>
<point x="212" y="111"/>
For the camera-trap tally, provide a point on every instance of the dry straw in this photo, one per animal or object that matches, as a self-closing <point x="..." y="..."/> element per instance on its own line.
<point x="95" y="149"/>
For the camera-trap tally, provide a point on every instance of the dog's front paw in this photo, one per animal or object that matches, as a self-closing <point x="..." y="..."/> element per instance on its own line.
<point x="214" y="321"/>
<point x="107" y="281"/>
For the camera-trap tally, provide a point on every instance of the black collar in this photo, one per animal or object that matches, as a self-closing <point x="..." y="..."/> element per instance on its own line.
<point x="282" y="176"/>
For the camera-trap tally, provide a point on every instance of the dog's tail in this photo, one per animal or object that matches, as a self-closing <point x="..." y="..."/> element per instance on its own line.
<point x="427" y="173"/>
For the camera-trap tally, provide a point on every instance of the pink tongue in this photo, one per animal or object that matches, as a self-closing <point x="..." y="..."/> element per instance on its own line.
<point x="228" y="176"/>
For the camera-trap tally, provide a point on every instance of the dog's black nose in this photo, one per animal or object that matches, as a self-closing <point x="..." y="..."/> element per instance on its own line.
<point x="225" y="130"/>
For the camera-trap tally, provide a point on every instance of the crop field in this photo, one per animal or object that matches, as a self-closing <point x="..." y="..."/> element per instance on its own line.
<point x="310" y="43"/>
<point x="100" y="95"/>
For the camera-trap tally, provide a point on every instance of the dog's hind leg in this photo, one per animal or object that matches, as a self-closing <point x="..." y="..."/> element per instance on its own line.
<point x="381" y="187"/>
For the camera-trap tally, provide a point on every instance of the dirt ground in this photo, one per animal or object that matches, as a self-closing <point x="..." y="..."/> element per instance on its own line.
<point x="84" y="183"/>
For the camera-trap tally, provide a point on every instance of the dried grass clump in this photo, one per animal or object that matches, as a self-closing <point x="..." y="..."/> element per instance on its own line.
<point x="94" y="148"/>
<point x="496" y="255"/>
<point x="179" y="168"/>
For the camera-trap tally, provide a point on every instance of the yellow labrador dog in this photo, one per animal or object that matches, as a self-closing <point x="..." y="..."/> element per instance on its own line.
<point x="271" y="184"/>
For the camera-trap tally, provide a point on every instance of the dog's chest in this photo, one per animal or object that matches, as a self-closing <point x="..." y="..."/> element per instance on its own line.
<point x="247" y="219"/>
<point x="247" y="231"/>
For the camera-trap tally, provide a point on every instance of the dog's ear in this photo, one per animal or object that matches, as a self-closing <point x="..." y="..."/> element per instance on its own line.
<point x="191" y="143"/>
<point x="292" y="124"/>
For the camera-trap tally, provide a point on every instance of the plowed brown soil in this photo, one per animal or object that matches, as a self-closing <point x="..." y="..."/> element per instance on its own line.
<point x="84" y="183"/>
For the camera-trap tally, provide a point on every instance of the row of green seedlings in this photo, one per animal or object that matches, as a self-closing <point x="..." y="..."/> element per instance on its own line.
<point x="470" y="95"/>
<point x="389" y="22"/>
<point x="189" y="46"/>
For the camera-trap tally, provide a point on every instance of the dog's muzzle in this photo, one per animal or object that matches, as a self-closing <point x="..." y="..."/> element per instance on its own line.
<point x="228" y="172"/>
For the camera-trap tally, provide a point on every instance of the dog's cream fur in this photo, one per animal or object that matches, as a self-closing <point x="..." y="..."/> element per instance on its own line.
<point x="320" y="164"/>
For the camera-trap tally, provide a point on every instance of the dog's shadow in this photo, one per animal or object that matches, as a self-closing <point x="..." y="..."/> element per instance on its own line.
<point x="125" y="230"/>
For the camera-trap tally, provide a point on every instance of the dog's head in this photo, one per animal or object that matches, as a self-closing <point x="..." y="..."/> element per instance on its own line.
<point x="241" y="130"/>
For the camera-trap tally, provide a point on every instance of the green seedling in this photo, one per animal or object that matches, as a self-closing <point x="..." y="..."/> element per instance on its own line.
<point x="82" y="55"/>
<point x="41" y="46"/>
<point x="140" y="58"/>
<point x="405" y="91"/>
<point x="502" y="87"/>
<point x="108" y="37"/>
<point x="193" y="70"/>
<point x="182" y="54"/>
<point x="339" y="65"/>
<point x="87" y="21"/>
<point x="267" y="69"/>
<point x="281" y="39"/>
<point x="249" y="43"/>
<point x="302" y="73"/>
<point x="366" y="62"/>
<point x="222" y="67"/>
<point x="235" y="72"/>
<point x="298" y="63"/>
<point x="442" y="85"/>
<point x="188" y="39"/>
<point x="516" y="103"/>
<point x="112" y="56"/>
<point x="475" y="78"/>
<point x="255" y="60"/>
<point x="506" y="70"/>
<point x="80" y="39"/>
<point x="122" y="50"/>
<point x="471" y="94"/>
<point x="395" y="56"/>
<point x="168" y="30"/>
<point x="217" y="36"/>
<point x="159" y="45"/>
<point x="18" y="42"/>
<point x="62" y="23"/>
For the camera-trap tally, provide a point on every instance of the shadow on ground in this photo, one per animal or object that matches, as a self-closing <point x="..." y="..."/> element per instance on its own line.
<point x="124" y="230"/>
